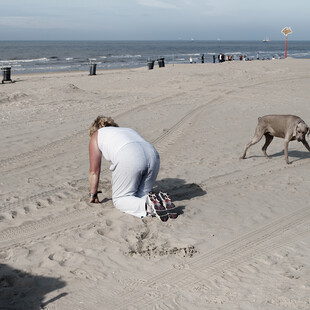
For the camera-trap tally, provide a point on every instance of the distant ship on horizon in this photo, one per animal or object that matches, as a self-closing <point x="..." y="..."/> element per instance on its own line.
<point x="266" y="39"/>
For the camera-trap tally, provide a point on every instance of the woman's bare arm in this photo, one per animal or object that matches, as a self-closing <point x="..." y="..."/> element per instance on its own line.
<point x="94" y="167"/>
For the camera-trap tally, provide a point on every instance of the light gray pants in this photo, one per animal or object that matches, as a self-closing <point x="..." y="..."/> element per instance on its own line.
<point x="133" y="176"/>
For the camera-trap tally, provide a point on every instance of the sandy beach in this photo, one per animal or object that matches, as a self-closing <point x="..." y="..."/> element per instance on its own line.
<point x="241" y="240"/>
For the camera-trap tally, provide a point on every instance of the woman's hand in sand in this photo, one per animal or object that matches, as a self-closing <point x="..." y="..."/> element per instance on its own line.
<point x="93" y="198"/>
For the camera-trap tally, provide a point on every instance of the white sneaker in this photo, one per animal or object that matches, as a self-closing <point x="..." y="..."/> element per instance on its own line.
<point x="167" y="203"/>
<point x="154" y="207"/>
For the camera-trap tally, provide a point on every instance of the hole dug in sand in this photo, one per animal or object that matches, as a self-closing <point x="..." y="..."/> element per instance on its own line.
<point x="162" y="250"/>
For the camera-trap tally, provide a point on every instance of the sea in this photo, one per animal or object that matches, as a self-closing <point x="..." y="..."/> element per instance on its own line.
<point x="58" y="56"/>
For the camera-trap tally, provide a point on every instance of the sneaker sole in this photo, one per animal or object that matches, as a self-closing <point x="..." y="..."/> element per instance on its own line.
<point x="162" y="214"/>
<point x="171" y="210"/>
<point x="170" y="207"/>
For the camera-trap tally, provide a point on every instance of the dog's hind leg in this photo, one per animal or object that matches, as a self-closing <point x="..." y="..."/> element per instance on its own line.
<point x="257" y="137"/>
<point x="269" y="138"/>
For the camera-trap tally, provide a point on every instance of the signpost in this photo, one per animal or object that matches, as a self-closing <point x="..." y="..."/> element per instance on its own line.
<point x="286" y="31"/>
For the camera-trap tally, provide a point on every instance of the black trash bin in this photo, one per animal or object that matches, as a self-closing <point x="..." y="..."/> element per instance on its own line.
<point x="92" y="69"/>
<point x="6" y="74"/>
<point x="161" y="62"/>
<point x="150" y="64"/>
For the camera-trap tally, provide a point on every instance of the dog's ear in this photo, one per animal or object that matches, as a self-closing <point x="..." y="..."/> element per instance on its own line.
<point x="308" y="129"/>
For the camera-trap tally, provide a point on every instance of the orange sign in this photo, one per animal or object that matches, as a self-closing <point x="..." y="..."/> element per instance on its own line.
<point x="286" y="31"/>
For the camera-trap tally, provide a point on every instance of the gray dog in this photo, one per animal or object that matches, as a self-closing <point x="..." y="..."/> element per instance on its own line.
<point x="288" y="127"/>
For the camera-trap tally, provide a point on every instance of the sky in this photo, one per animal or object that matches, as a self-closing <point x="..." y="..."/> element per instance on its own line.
<point x="153" y="19"/>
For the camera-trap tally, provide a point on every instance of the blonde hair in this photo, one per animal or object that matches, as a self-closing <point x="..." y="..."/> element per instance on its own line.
<point x="101" y="121"/>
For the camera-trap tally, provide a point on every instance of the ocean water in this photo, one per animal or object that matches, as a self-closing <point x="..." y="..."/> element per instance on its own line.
<point x="55" y="56"/>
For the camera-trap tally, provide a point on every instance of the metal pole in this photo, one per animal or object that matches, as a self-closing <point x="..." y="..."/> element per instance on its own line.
<point x="285" y="46"/>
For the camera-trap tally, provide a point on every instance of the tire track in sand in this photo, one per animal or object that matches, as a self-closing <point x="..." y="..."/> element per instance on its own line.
<point x="46" y="226"/>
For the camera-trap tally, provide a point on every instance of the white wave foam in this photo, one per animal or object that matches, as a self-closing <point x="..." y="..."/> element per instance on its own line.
<point x="305" y="54"/>
<point x="45" y="68"/>
<point x="126" y="56"/>
<point x="16" y="61"/>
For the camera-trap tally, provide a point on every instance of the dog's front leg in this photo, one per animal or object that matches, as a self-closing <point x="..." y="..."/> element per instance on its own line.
<point x="305" y="143"/>
<point x="286" y="151"/>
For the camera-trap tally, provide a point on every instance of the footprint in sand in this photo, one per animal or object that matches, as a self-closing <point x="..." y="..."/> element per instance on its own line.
<point x="13" y="214"/>
<point x="6" y="254"/>
<point x="103" y="231"/>
<point x="82" y="274"/>
<point x="26" y="210"/>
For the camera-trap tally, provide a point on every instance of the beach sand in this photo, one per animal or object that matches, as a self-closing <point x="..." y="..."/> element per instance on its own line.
<point x="241" y="240"/>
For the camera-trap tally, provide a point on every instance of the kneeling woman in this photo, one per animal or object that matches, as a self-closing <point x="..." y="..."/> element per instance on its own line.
<point x="135" y="165"/>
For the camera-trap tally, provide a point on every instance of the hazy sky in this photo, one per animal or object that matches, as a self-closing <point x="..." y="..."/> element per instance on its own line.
<point x="153" y="19"/>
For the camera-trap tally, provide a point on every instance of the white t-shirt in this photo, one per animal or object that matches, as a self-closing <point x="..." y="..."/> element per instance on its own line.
<point x="112" y="139"/>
